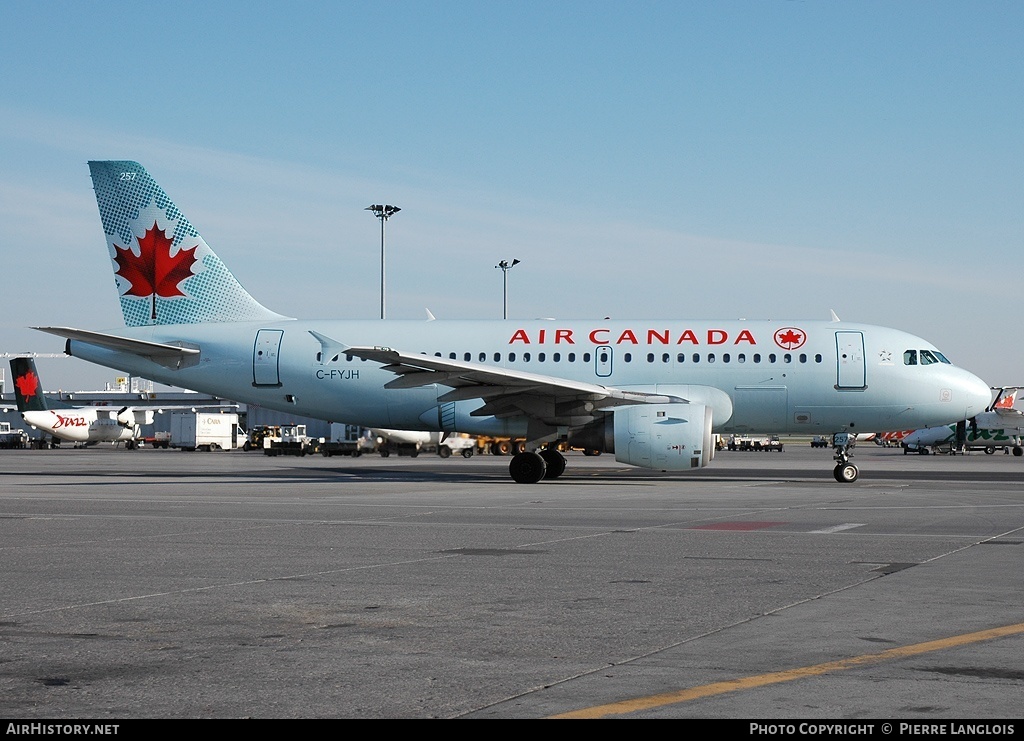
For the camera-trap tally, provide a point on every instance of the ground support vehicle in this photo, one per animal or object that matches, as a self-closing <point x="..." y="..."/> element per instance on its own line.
<point x="345" y="440"/>
<point x="292" y="441"/>
<point x="12" y="439"/>
<point x="205" y="430"/>
<point x="745" y="443"/>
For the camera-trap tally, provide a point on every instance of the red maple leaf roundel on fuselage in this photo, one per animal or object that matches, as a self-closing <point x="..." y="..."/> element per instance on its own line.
<point x="790" y="338"/>
<point x="155" y="271"/>
<point x="27" y="384"/>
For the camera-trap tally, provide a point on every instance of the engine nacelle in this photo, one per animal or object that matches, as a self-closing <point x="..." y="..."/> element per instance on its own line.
<point x="668" y="437"/>
<point x="129" y="418"/>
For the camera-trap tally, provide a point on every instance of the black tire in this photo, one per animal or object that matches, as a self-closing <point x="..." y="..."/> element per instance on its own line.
<point x="845" y="473"/>
<point x="527" y="468"/>
<point x="990" y="450"/>
<point x="467" y="452"/>
<point x="1018" y="451"/>
<point x="384" y="453"/>
<point x="554" y="463"/>
<point x="444" y="451"/>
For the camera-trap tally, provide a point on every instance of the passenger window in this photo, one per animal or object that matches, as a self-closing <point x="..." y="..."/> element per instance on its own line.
<point x="757" y="357"/>
<point x="803" y="357"/>
<point x="451" y="356"/>
<point x="628" y="357"/>
<point x="696" y="357"/>
<point x="650" y="357"/>
<point x="666" y="358"/>
<point x="556" y="357"/>
<point x="711" y="357"/>
<point x="817" y="358"/>
<point x="771" y="357"/>
<point x="910" y="357"/>
<point x="741" y="358"/>
<point x="497" y="357"/>
<point x="725" y="357"/>
<point x="586" y="357"/>
<point x="787" y="358"/>
<point x="467" y="357"/>
<point x="572" y="357"/>
<point x="526" y="357"/>
<point x="540" y="357"/>
<point x="681" y="358"/>
<point x="483" y="357"/>
<point x="511" y="357"/>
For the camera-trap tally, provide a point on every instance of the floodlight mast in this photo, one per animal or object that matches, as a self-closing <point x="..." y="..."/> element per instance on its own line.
<point x="383" y="212"/>
<point x="505" y="266"/>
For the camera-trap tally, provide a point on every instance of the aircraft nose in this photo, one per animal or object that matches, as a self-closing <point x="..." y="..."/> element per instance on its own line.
<point x="976" y="393"/>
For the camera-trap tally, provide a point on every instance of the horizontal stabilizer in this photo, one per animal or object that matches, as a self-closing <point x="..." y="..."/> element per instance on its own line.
<point x="173" y="355"/>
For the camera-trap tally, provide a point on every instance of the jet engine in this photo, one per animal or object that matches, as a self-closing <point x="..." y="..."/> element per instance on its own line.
<point x="668" y="437"/>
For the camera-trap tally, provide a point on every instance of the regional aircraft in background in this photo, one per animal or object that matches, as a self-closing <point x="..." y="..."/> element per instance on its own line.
<point x="651" y="391"/>
<point x="84" y="424"/>
<point x="999" y="426"/>
<point x="79" y="424"/>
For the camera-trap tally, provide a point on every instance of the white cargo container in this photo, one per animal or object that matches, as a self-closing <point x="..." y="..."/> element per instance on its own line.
<point x="205" y="430"/>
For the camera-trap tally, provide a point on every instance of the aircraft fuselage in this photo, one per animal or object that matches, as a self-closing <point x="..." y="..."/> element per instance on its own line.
<point x="812" y="377"/>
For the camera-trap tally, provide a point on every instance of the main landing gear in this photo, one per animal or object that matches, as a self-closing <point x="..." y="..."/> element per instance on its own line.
<point x="529" y="467"/>
<point x="844" y="472"/>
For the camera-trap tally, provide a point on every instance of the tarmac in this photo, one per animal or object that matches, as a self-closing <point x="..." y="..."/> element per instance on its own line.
<point x="166" y="584"/>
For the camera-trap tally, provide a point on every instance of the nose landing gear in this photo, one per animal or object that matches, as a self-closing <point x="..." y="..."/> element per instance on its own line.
<point x="844" y="472"/>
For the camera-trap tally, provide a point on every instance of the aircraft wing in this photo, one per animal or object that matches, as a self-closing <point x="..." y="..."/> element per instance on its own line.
<point x="549" y="399"/>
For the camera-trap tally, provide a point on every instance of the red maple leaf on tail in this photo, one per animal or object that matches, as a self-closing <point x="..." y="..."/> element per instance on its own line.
<point x="27" y="384"/>
<point x="154" y="271"/>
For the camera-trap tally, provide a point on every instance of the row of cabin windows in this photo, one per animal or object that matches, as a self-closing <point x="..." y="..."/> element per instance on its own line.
<point x="627" y="357"/>
<point x="654" y="358"/>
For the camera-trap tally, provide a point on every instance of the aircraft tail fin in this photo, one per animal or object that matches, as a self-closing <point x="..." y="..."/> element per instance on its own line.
<point x="1005" y="400"/>
<point x="164" y="270"/>
<point x="28" y="391"/>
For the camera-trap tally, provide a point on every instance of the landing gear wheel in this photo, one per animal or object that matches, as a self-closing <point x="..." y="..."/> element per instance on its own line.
<point x="467" y="452"/>
<point x="527" y="468"/>
<point x="990" y="450"/>
<point x="845" y="473"/>
<point x="444" y="451"/>
<point x="1018" y="451"/>
<point x="554" y="462"/>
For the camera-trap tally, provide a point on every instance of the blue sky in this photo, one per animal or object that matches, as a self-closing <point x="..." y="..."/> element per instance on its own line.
<point x="766" y="159"/>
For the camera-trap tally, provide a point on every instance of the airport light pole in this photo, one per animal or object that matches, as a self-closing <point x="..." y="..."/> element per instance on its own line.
<point x="505" y="266"/>
<point x="383" y="213"/>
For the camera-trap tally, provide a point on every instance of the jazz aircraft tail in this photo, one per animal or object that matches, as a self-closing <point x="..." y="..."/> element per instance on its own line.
<point x="164" y="270"/>
<point x="28" y="389"/>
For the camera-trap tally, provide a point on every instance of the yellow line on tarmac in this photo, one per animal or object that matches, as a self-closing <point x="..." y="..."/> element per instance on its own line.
<point x="760" y="680"/>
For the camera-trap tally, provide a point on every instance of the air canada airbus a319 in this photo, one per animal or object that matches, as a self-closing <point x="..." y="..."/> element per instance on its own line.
<point x="651" y="391"/>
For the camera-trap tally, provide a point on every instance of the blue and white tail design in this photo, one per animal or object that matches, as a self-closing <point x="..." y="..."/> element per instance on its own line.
<point x="165" y="272"/>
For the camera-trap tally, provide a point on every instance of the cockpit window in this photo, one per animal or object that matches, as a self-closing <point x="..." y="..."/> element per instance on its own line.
<point x="941" y="357"/>
<point x="910" y="357"/>
<point x="927" y="358"/>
